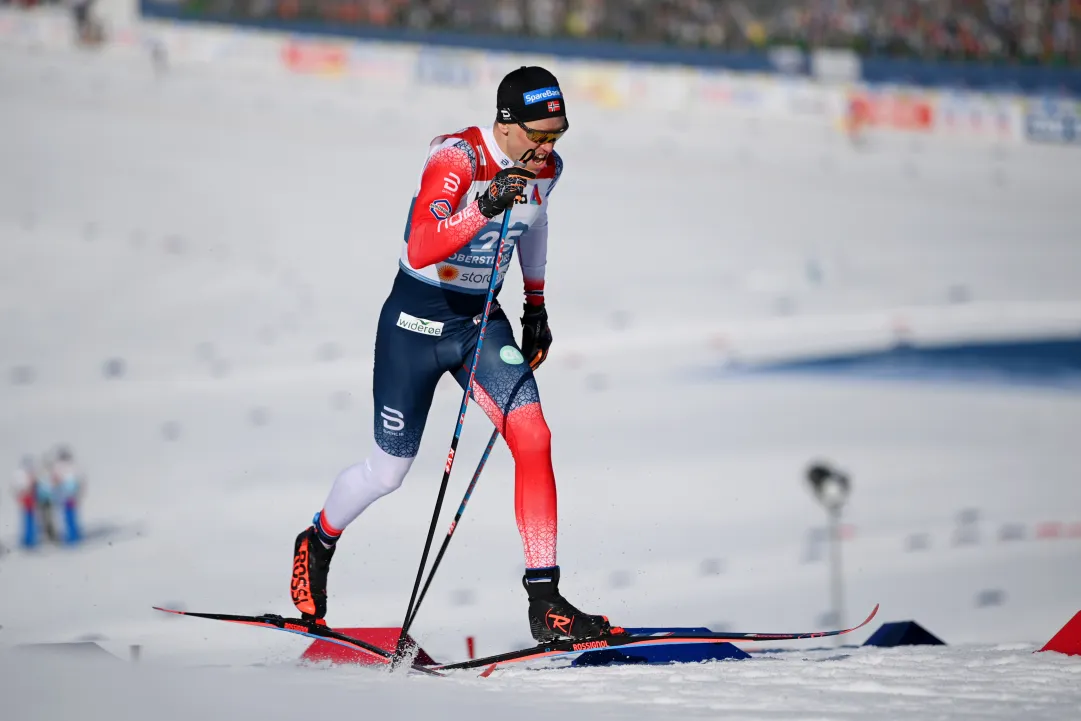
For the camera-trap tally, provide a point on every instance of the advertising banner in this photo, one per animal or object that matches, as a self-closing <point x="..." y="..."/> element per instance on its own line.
<point x="320" y="58"/>
<point x="978" y="116"/>
<point x="220" y="46"/>
<point x="447" y="67"/>
<point x="660" y="87"/>
<point x="892" y="109"/>
<point x="1053" y="120"/>
<point x="725" y="90"/>
<point x="389" y="63"/>
<point x="803" y="99"/>
<point x="604" y="85"/>
<point x="41" y="28"/>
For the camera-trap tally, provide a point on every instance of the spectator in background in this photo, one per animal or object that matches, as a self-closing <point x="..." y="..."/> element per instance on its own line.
<point x="67" y="491"/>
<point x="26" y="492"/>
<point x="54" y="487"/>
<point x="88" y="28"/>
<point x="44" y="499"/>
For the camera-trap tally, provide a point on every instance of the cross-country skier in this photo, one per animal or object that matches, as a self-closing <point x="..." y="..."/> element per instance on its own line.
<point x="429" y="326"/>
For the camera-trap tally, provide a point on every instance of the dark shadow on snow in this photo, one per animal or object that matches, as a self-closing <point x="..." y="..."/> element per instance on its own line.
<point x="1037" y="363"/>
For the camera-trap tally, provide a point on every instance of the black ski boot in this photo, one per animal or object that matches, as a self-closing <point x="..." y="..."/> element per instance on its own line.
<point x="311" y="564"/>
<point x="552" y="617"/>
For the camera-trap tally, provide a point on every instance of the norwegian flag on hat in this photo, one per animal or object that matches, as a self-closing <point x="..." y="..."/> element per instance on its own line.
<point x="553" y="106"/>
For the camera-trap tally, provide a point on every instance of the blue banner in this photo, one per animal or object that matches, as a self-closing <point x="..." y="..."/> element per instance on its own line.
<point x="1053" y="120"/>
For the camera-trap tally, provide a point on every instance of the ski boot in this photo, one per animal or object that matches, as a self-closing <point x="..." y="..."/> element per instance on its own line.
<point x="552" y="617"/>
<point x="311" y="564"/>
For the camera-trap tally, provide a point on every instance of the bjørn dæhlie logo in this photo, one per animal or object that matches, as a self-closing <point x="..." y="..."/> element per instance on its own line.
<point x="393" y="420"/>
<point x="539" y="96"/>
<point x="440" y="209"/>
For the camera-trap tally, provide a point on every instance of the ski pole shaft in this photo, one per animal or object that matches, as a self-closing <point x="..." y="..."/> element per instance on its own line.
<point x="401" y="648"/>
<point x="457" y="518"/>
<point x="454" y="523"/>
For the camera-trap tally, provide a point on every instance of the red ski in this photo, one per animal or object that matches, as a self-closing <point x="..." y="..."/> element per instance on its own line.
<point x="303" y="627"/>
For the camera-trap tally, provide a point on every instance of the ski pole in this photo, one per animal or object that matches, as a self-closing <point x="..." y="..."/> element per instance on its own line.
<point x="457" y="517"/>
<point x="399" y="652"/>
<point x="454" y="523"/>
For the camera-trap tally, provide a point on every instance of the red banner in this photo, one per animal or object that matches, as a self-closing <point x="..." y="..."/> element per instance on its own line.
<point x="315" y="58"/>
<point x="892" y="111"/>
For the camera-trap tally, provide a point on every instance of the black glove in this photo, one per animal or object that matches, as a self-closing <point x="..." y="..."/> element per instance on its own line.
<point x="536" y="336"/>
<point x="505" y="187"/>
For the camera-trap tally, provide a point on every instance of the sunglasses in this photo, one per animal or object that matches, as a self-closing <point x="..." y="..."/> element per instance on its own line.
<point x="540" y="137"/>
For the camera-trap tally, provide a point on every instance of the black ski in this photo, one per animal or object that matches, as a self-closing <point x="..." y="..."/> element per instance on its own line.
<point x="562" y="648"/>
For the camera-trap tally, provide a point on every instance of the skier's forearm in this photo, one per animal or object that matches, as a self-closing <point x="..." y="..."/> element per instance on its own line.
<point x="534" y="291"/>
<point x="533" y="259"/>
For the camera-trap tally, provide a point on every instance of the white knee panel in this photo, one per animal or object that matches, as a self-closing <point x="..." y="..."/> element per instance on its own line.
<point x="358" y="486"/>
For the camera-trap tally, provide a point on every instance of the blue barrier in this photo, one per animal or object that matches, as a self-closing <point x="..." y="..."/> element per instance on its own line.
<point x="662" y="654"/>
<point x="1025" y="79"/>
<point x="903" y="633"/>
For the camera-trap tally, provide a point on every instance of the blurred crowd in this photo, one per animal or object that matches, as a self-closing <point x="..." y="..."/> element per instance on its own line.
<point x="48" y="491"/>
<point x="1031" y="31"/>
<point x="1034" y="31"/>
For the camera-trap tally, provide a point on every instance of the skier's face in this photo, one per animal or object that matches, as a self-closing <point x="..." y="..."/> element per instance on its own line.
<point x="538" y="136"/>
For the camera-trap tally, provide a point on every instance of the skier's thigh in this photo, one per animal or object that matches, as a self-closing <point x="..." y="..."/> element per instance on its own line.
<point x="504" y="378"/>
<point x="407" y="371"/>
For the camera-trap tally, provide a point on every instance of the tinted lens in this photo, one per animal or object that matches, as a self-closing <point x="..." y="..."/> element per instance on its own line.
<point x="544" y="136"/>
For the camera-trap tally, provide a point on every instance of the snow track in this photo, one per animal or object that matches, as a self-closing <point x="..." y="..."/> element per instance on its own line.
<point x="981" y="683"/>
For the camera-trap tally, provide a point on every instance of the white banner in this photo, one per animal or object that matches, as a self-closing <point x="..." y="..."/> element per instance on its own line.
<point x="49" y="28"/>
